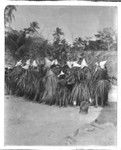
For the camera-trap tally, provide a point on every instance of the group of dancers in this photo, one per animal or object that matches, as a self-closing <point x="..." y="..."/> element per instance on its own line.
<point x="74" y="83"/>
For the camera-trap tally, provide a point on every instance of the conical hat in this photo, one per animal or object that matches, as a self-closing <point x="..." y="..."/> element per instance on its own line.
<point x="19" y="63"/>
<point x="102" y="64"/>
<point x="75" y="64"/>
<point x="28" y="62"/>
<point x="55" y="62"/>
<point x="61" y="73"/>
<point x="84" y="64"/>
<point x="48" y="63"/>
<point x="25" y="67"/>
<point x="69" y="63"/>
<point x="34" y="64"/>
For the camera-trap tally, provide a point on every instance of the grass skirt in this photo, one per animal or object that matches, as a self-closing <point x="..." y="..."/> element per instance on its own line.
<point x="62" y="97"/>
<point x="50" y="82"/>
<point x="80" y="93"/>
<point x="101" y="92"/>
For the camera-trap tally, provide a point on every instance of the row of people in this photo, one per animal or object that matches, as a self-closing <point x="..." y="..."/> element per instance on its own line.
<point x="54" y="84"/>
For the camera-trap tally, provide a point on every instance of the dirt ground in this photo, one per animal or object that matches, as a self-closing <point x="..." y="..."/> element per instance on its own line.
<point x="101" y="132"/>
<point x="28" y="123"/>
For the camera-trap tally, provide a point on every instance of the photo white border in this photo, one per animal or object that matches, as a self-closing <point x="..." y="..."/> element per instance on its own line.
<point x="3" y="4"/>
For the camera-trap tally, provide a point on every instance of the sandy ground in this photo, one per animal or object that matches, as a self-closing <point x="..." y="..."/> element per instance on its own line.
<point x="28" y="123"/>
<point x="101" y="132"/>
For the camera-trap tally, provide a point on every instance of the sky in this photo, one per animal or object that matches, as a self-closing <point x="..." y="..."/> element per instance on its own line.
<point x="75" y="21"/>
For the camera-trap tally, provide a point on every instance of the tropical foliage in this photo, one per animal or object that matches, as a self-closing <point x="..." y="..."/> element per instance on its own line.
<point x="8" y="14"/>
<point x="43" y="84"/>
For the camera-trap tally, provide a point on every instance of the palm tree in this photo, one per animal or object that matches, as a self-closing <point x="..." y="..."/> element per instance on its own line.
<point x="57" y="35"/>
<point x="33" y="27"/>
<point x="8" y="15"/>
<point x="79" y="43"/>
<point x="106" y="36"/>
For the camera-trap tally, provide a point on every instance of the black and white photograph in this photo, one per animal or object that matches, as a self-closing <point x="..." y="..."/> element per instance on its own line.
<point x="60" y="75"/>
<point x="75" y="0"/>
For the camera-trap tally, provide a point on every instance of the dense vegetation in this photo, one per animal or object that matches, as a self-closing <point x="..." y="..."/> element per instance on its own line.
<point x="49" y="85"/>
<point x="28" y="43"/>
